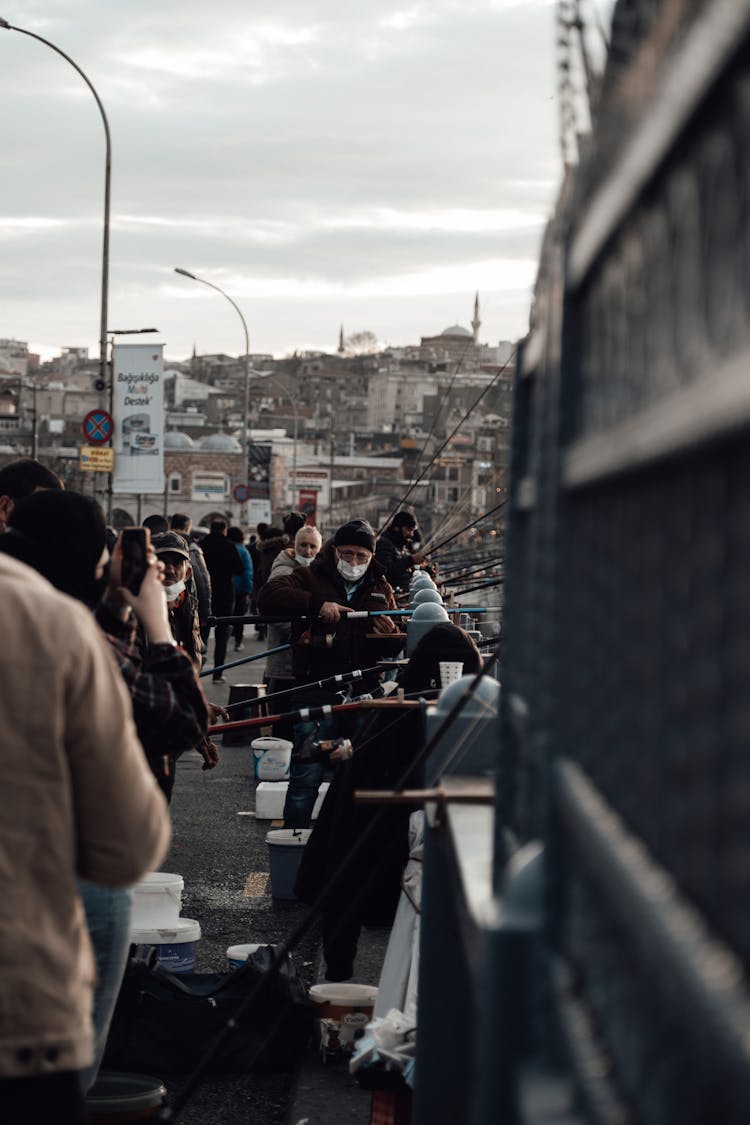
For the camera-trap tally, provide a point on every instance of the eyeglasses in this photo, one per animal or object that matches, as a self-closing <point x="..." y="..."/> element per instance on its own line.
<point x="355" y="556"/>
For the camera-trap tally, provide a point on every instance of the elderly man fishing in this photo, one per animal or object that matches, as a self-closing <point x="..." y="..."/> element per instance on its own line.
<point x="345" y="576"/>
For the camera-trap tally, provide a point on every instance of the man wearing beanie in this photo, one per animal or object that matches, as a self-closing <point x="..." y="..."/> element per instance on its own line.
<point x="344" y="577"/>
<point x="394" y="549"/>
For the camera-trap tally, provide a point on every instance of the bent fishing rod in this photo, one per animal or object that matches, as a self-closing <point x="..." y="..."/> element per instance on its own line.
<point x="282" y="949"/>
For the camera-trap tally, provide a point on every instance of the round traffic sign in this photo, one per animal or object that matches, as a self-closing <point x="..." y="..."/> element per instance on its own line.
<point x="98" y="427"/>
<point x="241" y="493"/>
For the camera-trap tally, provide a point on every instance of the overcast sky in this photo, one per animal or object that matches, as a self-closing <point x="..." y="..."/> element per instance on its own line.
<point x="370" y="162"/>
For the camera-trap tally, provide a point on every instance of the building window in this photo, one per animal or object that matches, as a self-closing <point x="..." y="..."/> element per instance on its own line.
<point x="175" y="482"/>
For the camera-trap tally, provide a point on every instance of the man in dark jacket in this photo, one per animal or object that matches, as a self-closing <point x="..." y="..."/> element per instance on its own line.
<point x="223" y="563"/>
<point x="344" y="577"/>
<point x="393" y="550"/>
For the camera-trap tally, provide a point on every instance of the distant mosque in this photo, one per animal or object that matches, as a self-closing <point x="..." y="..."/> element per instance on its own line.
<point x="455" y="344"/>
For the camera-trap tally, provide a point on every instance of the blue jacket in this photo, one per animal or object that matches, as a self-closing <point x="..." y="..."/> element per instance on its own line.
<point x="243" y="583"/>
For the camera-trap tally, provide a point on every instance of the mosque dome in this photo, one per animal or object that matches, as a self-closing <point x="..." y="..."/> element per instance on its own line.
<point x="220" y="443"/>
<point x="175" y="439"/>
<point x="456" y="330"/>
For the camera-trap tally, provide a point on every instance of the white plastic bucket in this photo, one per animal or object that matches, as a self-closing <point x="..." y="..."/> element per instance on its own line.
<point x="175" y="945"/>
<point x="157" y="900"/>
<point x="271" y="758"/>
<point x="343" y="1012"/>
<point x="237" y="955"/>
<point x="285" y="847"/>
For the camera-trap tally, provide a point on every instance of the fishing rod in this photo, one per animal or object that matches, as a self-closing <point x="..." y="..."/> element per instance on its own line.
<point x="243" y="660"/>
<point x="311" y="714"/>
<point x="282" y="949"/>
<point x="452" y="434"/>
<point x="420" y="455"/>
<point x="458" y="576"/>
<point x="351" y="615"/>
<point x="329" y="682"/>
<point x="468" y="557"/>
<point x="468" y="527"/>
<point x="489" y="585"/>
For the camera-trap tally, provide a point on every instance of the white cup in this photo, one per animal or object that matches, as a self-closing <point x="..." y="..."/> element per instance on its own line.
<point x="450" y="671"/>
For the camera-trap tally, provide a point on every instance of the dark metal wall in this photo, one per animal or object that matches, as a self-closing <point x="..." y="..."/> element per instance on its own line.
<point x="626" y="707"/>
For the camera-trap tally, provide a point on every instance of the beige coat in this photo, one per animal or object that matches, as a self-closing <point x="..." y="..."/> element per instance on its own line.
<point x="76" y="799"/>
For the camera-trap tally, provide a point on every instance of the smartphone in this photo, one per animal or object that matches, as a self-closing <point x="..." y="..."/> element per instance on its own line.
<point x="134" y="546"/>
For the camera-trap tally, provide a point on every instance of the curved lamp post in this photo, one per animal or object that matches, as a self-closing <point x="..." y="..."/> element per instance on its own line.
<point x="238" y="310"/>
<point x="107" y="178"/>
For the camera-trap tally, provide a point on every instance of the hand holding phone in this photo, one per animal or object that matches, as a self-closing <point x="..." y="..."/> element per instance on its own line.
<point x="135" y="543"/>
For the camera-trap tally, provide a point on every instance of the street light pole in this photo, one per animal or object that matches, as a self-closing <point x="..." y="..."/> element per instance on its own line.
<point x="107" y="179"/>
<point x="238" y="310"/>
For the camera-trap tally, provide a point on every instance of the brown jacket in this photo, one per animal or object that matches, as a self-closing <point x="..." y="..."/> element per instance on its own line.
<point x="320" y="650"/>
<point x="77" y="799"/>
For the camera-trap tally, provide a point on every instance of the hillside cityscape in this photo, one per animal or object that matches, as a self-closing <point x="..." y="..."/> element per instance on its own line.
<point x="329" y="433"/>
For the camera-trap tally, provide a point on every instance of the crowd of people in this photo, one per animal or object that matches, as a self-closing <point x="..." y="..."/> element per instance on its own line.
<point x="100" y="695"/>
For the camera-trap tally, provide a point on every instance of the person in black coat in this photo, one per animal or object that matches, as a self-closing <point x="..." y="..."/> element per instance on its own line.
<point x="223" y="563"/>
<point x="368" y="892"/>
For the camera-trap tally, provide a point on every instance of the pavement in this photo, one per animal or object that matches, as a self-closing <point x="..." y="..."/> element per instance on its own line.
<point x="219" y="848"/>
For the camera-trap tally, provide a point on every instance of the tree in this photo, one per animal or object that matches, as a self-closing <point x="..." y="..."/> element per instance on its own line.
<point x="361" y="343"/>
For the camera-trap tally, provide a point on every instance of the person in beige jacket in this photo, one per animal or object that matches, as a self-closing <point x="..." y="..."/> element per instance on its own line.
<point x="78" y="800"/>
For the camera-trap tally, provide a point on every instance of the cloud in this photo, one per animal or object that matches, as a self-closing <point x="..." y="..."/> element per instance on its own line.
<point x="390" y="158"/>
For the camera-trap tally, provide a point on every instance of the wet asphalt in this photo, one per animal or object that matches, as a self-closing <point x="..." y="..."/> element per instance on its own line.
<point x="220" y="850"/>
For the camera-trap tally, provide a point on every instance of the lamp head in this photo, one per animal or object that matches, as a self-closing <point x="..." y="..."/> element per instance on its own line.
<point x="185" y="273"/>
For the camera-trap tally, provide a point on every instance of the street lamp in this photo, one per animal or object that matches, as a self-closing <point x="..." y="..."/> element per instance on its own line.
<point x="238" y="310"/>
<point x="107" y="178"/>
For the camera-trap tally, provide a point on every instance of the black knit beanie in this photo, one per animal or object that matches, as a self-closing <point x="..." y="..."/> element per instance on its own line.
<point x="356" y="533"/>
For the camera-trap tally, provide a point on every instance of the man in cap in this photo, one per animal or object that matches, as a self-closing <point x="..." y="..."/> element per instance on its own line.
<point x="345" y="576"/>
<point x="173" y="551"/>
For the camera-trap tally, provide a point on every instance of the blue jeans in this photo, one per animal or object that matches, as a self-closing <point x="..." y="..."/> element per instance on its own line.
<point x="108" y="919"/>
<point x="305" y="777"/>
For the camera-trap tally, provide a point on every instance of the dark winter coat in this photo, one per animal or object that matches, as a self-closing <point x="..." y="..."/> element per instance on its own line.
<point x="321" y="649"/>
<point x="394" y="556"/>
<point x="223" y="563"/>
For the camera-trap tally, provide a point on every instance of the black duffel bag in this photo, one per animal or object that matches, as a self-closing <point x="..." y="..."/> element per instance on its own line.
<point x="165" y="1022"/>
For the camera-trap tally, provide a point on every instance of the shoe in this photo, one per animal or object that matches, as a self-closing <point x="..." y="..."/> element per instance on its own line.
<point x="219" y="679"/>
<point x="239" y="646"/>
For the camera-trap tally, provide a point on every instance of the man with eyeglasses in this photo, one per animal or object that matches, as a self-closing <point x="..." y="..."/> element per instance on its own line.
<point x="344" y="577"/>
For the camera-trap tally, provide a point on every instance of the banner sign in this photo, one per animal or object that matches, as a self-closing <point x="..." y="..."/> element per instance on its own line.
<point x="209" y="486"/>
<point x="258" y="511"/>
<point x="138" y="410"/>
<point x="307" y="504"/>
<point x="94" y="459"/>
<point x="259" y="471"/>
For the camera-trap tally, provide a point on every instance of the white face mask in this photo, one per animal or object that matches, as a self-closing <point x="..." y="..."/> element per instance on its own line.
<point x="302" y="560"/>
<point x="349" y="572"/>
<point x="173" y="592"/>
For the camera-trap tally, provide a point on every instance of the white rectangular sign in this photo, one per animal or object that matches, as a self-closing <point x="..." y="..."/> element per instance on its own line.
<point x="138" y="412"/>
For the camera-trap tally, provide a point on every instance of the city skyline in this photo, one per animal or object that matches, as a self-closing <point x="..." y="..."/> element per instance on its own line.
<point x="323" y="164"/>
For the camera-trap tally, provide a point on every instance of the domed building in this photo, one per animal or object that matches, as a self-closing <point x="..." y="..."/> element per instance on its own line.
<point x="176" y="439"/>
<point x="219" y="443"/>
<point x="455" y="344"/>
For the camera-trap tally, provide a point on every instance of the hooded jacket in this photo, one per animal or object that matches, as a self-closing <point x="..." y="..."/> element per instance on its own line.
<point x="321" y="649"/>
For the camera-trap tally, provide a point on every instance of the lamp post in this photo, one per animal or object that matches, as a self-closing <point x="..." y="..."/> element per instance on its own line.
<point x="107" y="179"/>
<point x="238" y="310"/>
